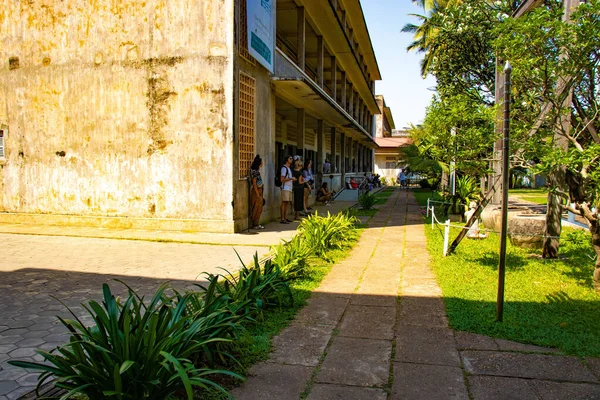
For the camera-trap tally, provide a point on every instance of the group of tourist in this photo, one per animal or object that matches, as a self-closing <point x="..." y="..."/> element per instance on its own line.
<point x="296" y="181"/>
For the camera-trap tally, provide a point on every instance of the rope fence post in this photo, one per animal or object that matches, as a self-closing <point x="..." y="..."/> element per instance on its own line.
<point x="427" y="208"/>
<point x="446" y="236"/>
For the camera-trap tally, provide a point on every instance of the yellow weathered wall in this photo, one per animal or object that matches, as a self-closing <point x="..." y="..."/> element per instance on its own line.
<point x="118" y="107"/>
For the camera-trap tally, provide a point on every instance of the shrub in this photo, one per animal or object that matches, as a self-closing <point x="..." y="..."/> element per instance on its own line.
<point x="256" y="287"/>
<point x="424" y="183"/>
<point x="291" y="257"/>
<point x="324" y="233"/>
<point x="367" y="201"/>
<point x="134" y="350"/>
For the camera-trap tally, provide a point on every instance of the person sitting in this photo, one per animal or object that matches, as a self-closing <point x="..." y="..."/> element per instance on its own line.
<point x="353" y="184"/>
<point x="324" y="195"/>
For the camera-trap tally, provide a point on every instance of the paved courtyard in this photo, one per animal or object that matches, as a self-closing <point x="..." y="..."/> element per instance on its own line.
<point x="34" y="268"/>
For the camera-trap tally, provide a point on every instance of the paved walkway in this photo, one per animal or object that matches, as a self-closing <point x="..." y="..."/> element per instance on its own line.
<point x="376" y="329"/>
<point x="71" y="263"/>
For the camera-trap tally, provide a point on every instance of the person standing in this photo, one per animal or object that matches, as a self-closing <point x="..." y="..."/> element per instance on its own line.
<point x="308" y="185"/>
<point x="298" y="189"/>
<point x="402" y="178"/>
<point x="256" y="193"/>
<point x="286" y="188"/>
<point x="326" y="167"/>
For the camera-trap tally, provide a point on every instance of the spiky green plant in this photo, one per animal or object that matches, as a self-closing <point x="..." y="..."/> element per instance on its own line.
<point x="325" y="233"/>
<point x="134" y="350"/>
<point x="367" y="201"/>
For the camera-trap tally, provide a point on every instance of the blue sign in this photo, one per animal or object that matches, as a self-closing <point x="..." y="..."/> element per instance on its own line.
<point x="261" y="31"/>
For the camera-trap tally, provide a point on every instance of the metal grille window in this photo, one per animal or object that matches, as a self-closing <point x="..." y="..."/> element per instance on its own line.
<point x="243" y="43"/>
<point x="1" y="143"/>
<point x="246" y="123"/>
<point x="390" y="159"/>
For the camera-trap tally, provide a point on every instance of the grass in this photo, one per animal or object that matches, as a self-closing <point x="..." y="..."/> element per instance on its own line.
<point x="255" y="343"/>
<point x="538" y="196"/>
<point x="547" y="302"/>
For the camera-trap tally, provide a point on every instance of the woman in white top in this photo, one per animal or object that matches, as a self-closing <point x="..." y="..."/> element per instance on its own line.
<point x="309" y="179"/>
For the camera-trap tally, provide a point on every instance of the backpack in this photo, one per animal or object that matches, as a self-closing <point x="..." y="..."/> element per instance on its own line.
<point x="278" y="177"/>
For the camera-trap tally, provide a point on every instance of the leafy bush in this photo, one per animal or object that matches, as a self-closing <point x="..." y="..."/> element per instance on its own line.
<point x="134" y="350"/>
<point x="324" y="233"/>
<point x="256" y="287"/>
<point x="424" y="183"/>
<point x="291" y="257"/>
<point x="367" y="201"/>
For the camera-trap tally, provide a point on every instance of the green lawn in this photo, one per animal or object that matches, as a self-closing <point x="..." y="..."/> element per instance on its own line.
<point x="548" y="302"/>
<point x="538" y="196"/>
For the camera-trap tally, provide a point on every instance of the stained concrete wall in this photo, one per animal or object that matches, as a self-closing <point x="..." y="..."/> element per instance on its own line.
<point x="264" y="143"/>
<point x="118" y="108"/>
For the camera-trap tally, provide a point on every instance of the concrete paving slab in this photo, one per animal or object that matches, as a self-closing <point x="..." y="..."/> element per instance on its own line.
<point x="368" y="322"/>
<point x="509" y="345"/>
<point x="301" y="344"/>
<point x="548" y="390"/>
<point x="273" y="381"/>
<point x="336" y="392"/>
<point x="426" y="345"/>
<point x="535" y="366"/>
<point x="428" y="382"/>
<point x="322" y="309"/>
<point x="473" y="341"/>
<point x="500" y="388"/>
<point x="357" y="362"/>
<point x="373" y="299"/>
<point x="594" y="365"/>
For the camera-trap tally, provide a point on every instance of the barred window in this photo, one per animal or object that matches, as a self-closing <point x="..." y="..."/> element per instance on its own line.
<point x="391" y="158"/>
<point x="243" y="42"/>
<point x="1" y="143"/>
<point x="246" y="123"/>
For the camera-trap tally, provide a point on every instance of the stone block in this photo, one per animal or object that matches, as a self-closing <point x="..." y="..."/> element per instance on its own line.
<point x="357" y="362"/>
<point x="533" y="366"/>
<point x="428" y="382"/>
<point x="426" y="345"/>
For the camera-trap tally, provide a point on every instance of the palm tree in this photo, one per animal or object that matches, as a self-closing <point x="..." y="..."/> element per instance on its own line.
<point x="424" y="33"/>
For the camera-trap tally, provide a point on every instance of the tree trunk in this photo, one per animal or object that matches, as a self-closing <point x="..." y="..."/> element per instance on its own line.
<point x="553" y="216"/>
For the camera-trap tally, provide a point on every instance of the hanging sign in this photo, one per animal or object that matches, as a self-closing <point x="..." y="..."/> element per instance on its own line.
<point x="261" y="31"/>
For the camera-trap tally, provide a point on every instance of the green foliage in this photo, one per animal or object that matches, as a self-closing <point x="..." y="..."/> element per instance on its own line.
<point x="469" y="147"/>
<point x="324" y="233"/>
<point x="135" y="350"/>
<point x="291" y="257"/>
<point x="367" y="200"/>
<point x="255" y="286"/>
<point x="424" y="184"/>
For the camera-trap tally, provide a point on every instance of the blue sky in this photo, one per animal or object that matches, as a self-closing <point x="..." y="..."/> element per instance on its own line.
<point x="405" y="91"/>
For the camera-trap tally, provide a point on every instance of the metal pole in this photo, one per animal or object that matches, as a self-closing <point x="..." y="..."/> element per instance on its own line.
<point x="446" y="236"/>
<point x="453" y="165"/>
<point x="505" y="177"/>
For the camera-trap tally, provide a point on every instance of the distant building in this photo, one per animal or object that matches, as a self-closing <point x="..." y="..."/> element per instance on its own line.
<point x="148" y="114"/>
<point x="389" y="140"/>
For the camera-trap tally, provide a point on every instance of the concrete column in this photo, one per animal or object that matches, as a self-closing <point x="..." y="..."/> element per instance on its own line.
<point x="344" y="88"/>
<point x="360" y="158"/>
<point x="301" y="38"/>
<point x="343" y="155"/>
<point x="320" y="61"/>
<point x="301" y="127"/>
<point x="351" y="100"/>
<point x="318" y="163"/>
<point x="334" y="78"/>
<point x="333" y="150"/>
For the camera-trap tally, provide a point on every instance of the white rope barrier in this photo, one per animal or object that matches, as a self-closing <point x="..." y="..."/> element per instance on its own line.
<point x="447" y="225"/>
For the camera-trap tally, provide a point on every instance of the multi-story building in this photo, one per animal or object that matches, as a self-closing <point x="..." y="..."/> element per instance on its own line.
<point x="148" y="113"/>
<point x="388" y="160"/>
